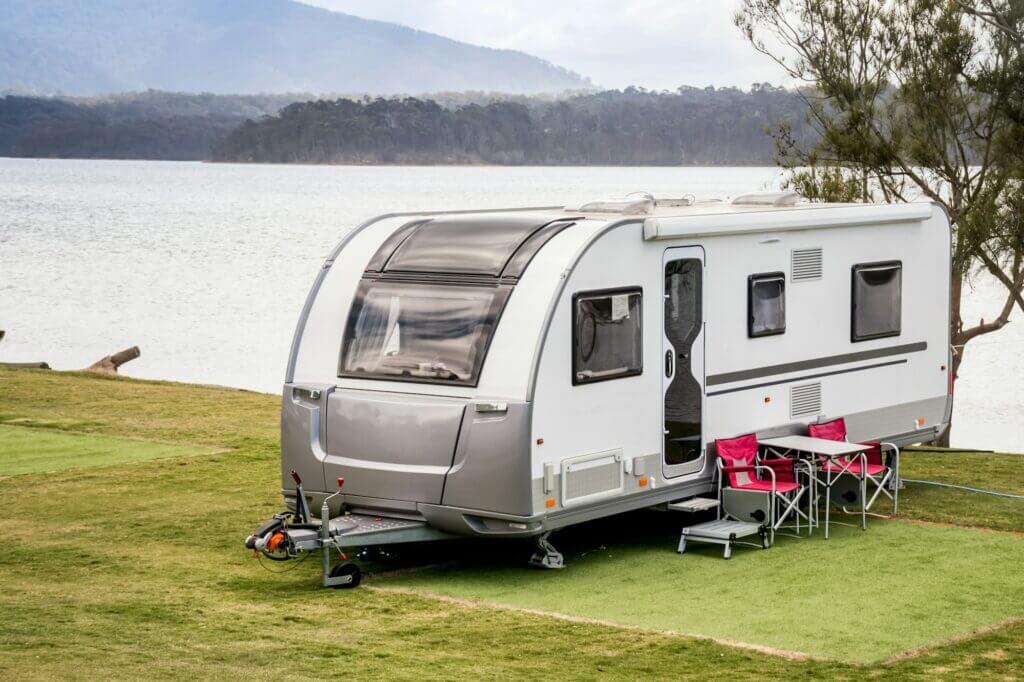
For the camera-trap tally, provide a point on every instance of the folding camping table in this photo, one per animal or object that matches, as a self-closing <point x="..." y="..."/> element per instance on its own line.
<point x="838" y="454"/>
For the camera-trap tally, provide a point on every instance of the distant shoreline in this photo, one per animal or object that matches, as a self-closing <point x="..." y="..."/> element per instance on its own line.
<point x="688" y="128"/>
<point x="394" y="165"/>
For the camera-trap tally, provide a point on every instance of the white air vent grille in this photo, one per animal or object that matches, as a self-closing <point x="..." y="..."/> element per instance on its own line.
<point x="806" y="264"/>
<point x="592" y="476"/>
<point x="805" y="400"/>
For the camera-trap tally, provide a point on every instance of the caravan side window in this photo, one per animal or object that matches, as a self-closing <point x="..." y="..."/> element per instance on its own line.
<point x="607" y="338"/>
<point x="876" y="309"/>
<point x="766" y="304"/>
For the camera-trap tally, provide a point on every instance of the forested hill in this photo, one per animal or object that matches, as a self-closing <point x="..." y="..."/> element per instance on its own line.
<point x="147" y="125"/>
<point x="90" y="47"/>
<point x="691" y="126"/>
<point x="633" y="127"/>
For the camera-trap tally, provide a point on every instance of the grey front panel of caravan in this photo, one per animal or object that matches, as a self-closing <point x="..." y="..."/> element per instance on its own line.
<point x="302" y="434"/>
<point x="391" y="446"/>
<point x="491" y="471"/>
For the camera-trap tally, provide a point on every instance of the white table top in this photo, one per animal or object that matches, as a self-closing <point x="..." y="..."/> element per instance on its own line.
<point x="817" y="446"/>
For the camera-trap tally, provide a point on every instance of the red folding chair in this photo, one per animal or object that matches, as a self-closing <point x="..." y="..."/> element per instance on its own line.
<point x="739" y="468"/>
<point x="873" y="468"/>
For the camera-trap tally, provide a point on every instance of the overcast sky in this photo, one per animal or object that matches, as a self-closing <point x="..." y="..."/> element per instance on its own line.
<point x="658" y="44"/>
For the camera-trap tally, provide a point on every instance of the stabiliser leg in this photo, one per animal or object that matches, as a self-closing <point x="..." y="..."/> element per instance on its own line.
<point x="343" y="575"/>
<point x="546" y="556"/>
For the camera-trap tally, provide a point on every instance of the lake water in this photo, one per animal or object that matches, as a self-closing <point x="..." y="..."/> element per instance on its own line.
<point x="206" y="267"/>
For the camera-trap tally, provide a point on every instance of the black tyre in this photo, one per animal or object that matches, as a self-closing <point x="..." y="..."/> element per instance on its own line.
<point x="347" y="569"/>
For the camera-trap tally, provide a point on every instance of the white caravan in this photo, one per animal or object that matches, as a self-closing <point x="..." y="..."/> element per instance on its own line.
<point x="506" y="373"/>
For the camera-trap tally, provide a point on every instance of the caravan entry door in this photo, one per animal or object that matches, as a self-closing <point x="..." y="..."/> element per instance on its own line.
<point x="683" y="361"/>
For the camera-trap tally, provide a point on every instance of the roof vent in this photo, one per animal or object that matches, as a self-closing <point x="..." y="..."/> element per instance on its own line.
<point x="634" y="203"/>
<point x="767" y="199"/>
<point x="685" y="200"/>
<point x="638" y="204"/>
<point x="806" y="264"/>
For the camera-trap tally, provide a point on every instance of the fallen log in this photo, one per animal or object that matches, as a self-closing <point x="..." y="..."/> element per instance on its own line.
<point x="24" y="365"/>
<point x="110" y="363"/>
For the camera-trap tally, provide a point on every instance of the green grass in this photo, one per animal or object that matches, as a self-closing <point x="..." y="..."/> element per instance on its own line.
<point x="137" y="570"/>
<point x="24" y="451"/>
<point x="1002" y="473"/>
<point x="858" y="597"/>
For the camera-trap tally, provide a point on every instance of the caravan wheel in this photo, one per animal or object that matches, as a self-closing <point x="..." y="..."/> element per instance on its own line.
<point x="347" y="569"/>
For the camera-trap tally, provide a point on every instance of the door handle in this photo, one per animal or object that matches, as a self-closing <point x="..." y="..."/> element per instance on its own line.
<point x="668" y="363"/>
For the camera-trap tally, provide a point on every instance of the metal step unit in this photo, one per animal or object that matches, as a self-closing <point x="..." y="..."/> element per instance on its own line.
<point x="694" y="505"/>
<point x="723" y="532"/>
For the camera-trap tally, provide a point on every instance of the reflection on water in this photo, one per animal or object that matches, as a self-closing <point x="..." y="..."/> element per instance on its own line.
<point x="206" y="266"/>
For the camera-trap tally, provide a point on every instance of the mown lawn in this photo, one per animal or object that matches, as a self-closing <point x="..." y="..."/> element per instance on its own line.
<point x="28" y="451"/>
<point x="136" y="569"/>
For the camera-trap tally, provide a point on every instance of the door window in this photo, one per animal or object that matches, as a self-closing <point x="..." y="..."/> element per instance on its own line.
<point x="683" y="396"/>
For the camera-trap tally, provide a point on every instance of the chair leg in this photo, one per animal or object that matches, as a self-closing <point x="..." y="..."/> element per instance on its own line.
<point x="863" y="501"/>
<point x="881" y="486"/>
<point x="896" y="484"/>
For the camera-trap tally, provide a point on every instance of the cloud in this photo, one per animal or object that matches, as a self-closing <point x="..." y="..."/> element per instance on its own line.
<point x="658" y="44"/>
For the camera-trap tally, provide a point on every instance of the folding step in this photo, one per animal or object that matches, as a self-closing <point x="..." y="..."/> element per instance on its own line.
<point x="722" y="532"/>
<point x="694" y="504"/>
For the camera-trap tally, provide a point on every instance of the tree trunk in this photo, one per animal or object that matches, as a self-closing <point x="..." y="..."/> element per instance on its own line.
<point x="110" y="363"/>
<point x="956" y="356"/>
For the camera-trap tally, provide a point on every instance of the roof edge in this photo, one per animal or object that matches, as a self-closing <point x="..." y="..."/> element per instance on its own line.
<point x="795" y="219"/>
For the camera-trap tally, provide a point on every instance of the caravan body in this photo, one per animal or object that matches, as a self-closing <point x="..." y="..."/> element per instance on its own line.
<point x="506" y="373"/>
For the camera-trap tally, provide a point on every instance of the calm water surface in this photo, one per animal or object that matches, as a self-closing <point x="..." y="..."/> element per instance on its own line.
<point x="205" y="267"/>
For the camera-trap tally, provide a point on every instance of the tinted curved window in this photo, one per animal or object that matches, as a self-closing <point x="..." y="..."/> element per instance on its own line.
<point x="427" y="333"/>
<point x="877" y="300"/>
<point x="469" y="246"/>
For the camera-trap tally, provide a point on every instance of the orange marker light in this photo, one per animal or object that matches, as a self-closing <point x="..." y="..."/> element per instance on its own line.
<point x="550" y="503"/>
<point x="643" y="482"/>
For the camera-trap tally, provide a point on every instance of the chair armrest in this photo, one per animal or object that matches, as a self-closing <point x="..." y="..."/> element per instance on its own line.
<point x="731" y="470"/>
<point x="782" y="462"/>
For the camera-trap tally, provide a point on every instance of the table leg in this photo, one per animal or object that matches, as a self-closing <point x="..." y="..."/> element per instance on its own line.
<point x="828" y="497"/>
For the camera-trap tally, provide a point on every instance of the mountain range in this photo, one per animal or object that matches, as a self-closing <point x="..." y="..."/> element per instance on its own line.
<point x="88" y="47"/>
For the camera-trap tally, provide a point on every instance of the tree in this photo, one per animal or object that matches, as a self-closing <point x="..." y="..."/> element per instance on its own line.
<point x="912" y="99"/>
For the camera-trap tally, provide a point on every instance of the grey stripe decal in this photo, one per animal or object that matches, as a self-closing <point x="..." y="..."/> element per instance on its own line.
<point x="808" y="376"/>
<point x="817" y="363"/>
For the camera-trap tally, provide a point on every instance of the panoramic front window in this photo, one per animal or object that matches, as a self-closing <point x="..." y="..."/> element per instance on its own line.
<point x="607" y="335"/>
<point x="876" y="300"/>
<point x="428" y="333"/>
<point x="766" y="304"/>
